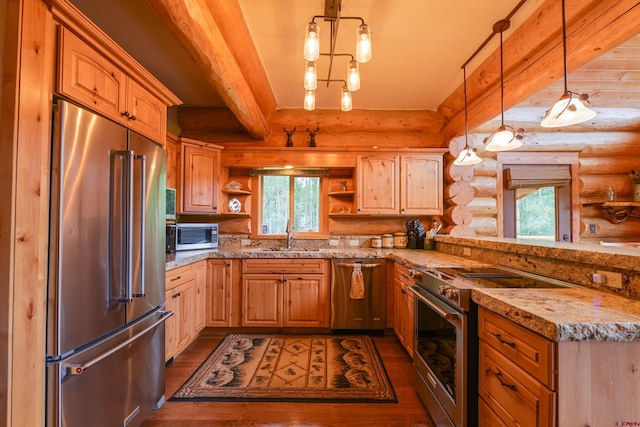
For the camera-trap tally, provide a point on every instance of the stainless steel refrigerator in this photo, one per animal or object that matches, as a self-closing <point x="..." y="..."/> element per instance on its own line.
<point x="105" y="320"/>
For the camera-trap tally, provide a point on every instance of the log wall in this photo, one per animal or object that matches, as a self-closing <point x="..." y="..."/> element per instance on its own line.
<point x="606" y="159"/>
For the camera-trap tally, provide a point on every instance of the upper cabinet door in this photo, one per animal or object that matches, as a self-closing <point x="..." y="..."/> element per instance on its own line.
<point x="89" y="78"/>
<point x="421" y="184"/>
<point x="199" y="179"/>
<point x="146" y="113"/>
<point x="378" y="184"/>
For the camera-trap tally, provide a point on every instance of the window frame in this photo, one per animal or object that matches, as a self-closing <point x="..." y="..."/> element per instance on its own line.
<point x="256" y="228"/>
<point x="567" y="197"/>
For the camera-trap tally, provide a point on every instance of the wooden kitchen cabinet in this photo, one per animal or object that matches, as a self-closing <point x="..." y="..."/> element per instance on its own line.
<point x="421" y="184"/>
<point x="403" y="319"/>
<point x="199" y="183"/>
<point x="218" y="296"/>
<point x="526" y="379"/>
<point x="180" y="296"/>
<point x="399" y="185"/>
<point x="285" y="293"/>
<point x="516" y="372"/>
<point x="89" y="78"/>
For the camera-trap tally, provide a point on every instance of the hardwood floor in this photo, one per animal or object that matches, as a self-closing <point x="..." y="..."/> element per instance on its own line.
<point x="409" y="410"/>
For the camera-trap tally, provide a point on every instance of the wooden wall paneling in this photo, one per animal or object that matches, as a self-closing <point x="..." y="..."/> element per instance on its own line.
<point x="10" y="47"/>
<point x="29" y="51"/>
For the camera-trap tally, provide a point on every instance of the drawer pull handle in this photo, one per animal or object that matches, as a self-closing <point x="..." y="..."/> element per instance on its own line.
<point x="176" y="278"/>
<point x="503" y="383"/>
<point x="509" y="343"/>
<point x="176" y="295"/>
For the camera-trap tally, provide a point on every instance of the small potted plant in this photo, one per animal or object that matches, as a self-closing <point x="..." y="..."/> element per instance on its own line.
<point x="635" y="177"/>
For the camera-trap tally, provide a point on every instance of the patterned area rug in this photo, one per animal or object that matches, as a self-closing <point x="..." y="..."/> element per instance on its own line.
<point x="310" y="368"/>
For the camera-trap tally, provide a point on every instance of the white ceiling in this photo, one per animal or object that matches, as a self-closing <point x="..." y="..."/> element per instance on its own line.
<point x="418" y="47"/>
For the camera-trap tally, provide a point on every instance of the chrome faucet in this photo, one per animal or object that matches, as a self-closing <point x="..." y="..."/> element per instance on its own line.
<point x="290" y="234"/>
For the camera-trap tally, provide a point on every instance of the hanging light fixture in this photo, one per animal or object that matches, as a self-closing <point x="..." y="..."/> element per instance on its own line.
<point x="505" y="137"/>
<point x="312" y="54"/>
<point x="570" y="109"/>
<point x="468" y="155"/>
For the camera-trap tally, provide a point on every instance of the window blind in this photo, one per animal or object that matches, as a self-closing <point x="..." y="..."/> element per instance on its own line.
<point x="537" y="176"/>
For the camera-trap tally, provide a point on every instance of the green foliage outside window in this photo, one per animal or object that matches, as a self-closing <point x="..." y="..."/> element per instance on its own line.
<point x="277" y="207"/>
<point x="536" y="213"/>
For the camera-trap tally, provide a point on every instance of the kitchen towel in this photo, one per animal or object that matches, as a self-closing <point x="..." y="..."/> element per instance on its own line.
<point x="357" y="282"/>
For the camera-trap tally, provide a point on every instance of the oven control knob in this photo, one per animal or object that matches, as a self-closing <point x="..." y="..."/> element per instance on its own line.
<point x="443" y="289"/>
<point x="452" y="294"/>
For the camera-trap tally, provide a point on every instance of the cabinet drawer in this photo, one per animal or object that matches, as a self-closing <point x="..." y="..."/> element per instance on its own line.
<point x="486" y="416"/>
<point x="532" y="352"/>
<point x="178" y="276"/>
<point x="401" y="273"/>
<point x="514" y="395"/>
<point x="267" y="265"/>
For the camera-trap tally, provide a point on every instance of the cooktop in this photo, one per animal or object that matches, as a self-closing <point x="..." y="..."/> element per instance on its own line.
<point x="497" y="277"/>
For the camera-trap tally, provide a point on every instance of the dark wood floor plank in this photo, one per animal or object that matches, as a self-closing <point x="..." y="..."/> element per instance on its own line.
<point x="409" y="410"/>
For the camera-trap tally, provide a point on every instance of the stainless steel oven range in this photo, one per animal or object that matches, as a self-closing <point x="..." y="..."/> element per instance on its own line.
<point x="446" y="336"/>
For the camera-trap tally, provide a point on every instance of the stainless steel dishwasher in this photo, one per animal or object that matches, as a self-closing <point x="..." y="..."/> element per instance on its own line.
<point x="367" y="310"/>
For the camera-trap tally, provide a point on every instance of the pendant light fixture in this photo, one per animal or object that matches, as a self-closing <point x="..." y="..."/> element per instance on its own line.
<point x="312" y="54"/>
<point x="468" y="155"/>
<point x="505" y="137"/>
<point x="570" y="109"/>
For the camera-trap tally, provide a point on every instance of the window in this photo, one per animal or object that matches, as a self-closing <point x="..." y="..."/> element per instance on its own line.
<point x="295" y="198"/>
<point x="539" y="192"/>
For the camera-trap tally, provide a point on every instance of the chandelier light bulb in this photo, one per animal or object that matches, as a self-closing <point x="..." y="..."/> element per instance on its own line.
<point x="312" y="42"/>
<point x="353" y="76"/>
<point x="363" y="44"/>
<point x="346" y="102"/>
<point x="310" y="100"/>
<point x="310" y="76"/>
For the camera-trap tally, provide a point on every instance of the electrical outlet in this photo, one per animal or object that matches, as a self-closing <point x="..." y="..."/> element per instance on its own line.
<point x="466" y="251"/>
<point x="245" y="242"/>
<point x="608" y="278"/>
<point x="333" y="242"/>
<point x="354" y="243"/>
<point x="592" y="228"/>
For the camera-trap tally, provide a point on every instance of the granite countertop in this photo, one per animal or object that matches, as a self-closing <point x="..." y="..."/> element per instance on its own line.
<point x="411" y="258"/>
<point x="574" y="314"/>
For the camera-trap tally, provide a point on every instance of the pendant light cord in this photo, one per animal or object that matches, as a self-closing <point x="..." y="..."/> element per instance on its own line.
<point x="501" y="82"/>
<point x="466" y="119"/>
<point x="564" y="51"/>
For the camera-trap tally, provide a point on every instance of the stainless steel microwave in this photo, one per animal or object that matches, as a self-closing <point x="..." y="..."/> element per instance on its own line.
<point x="196" y="236"/>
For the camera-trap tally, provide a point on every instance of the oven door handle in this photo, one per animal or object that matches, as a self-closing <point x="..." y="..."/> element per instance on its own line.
<point x="446" y="313"/>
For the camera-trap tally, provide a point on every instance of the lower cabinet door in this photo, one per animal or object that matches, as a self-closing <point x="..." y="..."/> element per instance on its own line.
<point x="262" y="300"/>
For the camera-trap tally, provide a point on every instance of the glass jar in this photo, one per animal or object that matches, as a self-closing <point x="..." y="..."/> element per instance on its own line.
<point x="387" y="241"/>
<point x="376" y="242"/>
<point x="399" y="240"/>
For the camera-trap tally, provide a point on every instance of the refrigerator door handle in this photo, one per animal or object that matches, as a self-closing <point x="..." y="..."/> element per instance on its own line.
<point x="78" y="369"/>
<point x="129" y="251"/>
<point x="142" y="201"/>
<point x="119" y="224"/>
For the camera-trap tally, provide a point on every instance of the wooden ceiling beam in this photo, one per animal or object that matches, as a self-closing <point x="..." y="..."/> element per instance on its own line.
<point x="208" y="40"/>
<point x="533" y="56"/>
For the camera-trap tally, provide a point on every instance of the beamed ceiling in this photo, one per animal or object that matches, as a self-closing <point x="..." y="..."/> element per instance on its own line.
<point x="418" y="49"/>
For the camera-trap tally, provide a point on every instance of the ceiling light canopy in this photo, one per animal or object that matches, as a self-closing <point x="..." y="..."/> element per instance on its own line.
<point x="570" y="108"/>
<point x="312" y="54"/>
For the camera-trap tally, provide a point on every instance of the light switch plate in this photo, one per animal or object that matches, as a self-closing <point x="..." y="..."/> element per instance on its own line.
<point x="333" y="242"/>
<point x="354" y="242"/>
<point x="245" y="242"/>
